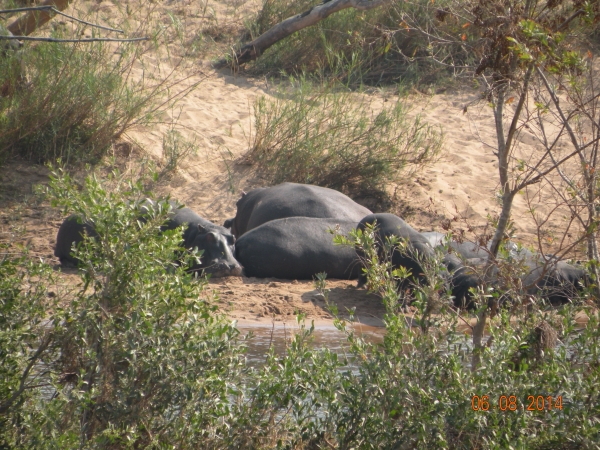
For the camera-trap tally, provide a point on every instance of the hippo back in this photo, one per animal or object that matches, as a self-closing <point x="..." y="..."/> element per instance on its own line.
<point x="262" y="205"/>
<point x="297" y="248"/>
<point x="557" y="281"/>
<point x="389" y="225"/>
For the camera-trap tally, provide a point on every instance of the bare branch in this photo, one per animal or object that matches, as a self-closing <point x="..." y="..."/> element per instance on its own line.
<point x="517" y="113"/>
<point x="289" y="26"/>
<point x="43" y="346"/>
<point x="56" y="11"/>
<point x="570" y="19"/>
<point x="28" y="23"/>
<point x="44" y="39"/>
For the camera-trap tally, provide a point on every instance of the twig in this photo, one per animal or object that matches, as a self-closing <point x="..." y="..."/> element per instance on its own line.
<point x="56" y="11"/>
<point x="30" y="8"/>
<point x="22" y="386"/>
<point x="29" y="38"/>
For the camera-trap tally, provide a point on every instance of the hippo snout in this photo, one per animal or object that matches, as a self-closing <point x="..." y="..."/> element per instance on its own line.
<point x="236" y="270"/>
<point x="223" y="269"/>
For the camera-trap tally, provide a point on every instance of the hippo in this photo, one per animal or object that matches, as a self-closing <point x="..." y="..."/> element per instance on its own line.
<point x="297" y="248"/>
<point x="390" y="225"/>
<point x="461" y="279"/>
<point x="195" y="223"/>
<point x="292" y="200"/>
<point x="215" y="241"/>
<point x="71" y="231"/>
<point x="557" y="282"/>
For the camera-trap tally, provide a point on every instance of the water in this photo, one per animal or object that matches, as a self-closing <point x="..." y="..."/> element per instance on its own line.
<point x="279" y="335"/>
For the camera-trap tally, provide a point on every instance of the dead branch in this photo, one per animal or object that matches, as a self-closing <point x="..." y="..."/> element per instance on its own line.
<point x="28" y="23"/>
<point x="4" y="406"/>
<point x="56" y="11"/>
<point x="46" y="39"/>
<point x="289" y="26"/>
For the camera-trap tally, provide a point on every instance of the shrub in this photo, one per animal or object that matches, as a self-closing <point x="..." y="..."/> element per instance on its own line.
<point x="71" y="101"/>
<point x="138" y="356"/>
<point x="334" y="139"/>
<point x="419" y="390"/>
<point x="24" y="339"/>
<point x="371" y="47"/>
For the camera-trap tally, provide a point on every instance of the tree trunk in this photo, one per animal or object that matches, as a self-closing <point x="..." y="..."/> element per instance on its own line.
<point x="32" y="20"/>
<point x="478" y="338"/>
<point x="507" y="194"/>
<point x="289" y="26"/>
<point x="592" y="244"/>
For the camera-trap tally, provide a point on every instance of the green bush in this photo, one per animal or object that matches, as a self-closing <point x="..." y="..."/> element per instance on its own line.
<point x="74" y="102"/>
<point x="418" y="389"/>
<point x="138" y="355"/>
<point x="24" y="297"/>
<point x="334" y="139"/>
<point x="135" y="356"/>
<point x="371" y="47"/>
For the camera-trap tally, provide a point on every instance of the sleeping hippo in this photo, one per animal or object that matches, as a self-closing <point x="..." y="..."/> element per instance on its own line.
<point x="388" y="225"/>
<point x="460" y="278"/>
<point x="215" y="241"/>
<point x="71" y="232"/>
<point x="297" y="248"/>
<point x="195" y="224"/>
<point x="556" y="281"/>
<point x="292" y="200"/>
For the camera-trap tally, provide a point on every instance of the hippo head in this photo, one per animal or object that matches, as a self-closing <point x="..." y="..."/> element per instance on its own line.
<point x="217" y="255"/>
<point x="560" y="283"/>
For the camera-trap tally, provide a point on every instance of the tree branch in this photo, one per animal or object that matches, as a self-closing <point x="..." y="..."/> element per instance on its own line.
<point x="28" y="23"/>
<point x="45" y="39"/>
<point x="56" y="11"/>
<point x="43" y="346"/>
<point x="289" y="26"/>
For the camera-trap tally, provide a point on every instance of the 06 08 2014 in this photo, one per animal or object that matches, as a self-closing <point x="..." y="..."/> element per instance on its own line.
<point x="511" y="403"/>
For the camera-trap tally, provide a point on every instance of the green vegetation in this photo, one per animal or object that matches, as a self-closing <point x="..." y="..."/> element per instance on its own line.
<point x="176" y="148"/>
<point x="338" y="140"/>
<point x="71" y="103"/>
<point x="72" y="100"/>
<point x="361" y="47"/>
<point x="137" y="357"/>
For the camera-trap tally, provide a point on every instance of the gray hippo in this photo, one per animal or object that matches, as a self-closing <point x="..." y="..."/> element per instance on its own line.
<point x="469" y="250"/>
<point x="215" y="241"/>
<point x="459" y="277"/>
<point x="556" y="281"/>
<point x="292" y="200"/>
<point x="390" y="225"/>
<point x="71" y="231"/>
<point x="196" y="224"/>
<point x="297" y="248"/>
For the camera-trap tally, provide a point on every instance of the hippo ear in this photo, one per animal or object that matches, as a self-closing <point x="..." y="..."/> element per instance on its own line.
<point x="228" y="223"/>
<point x="210" y="238"/>
<point x="201" y="229"/>
<point x="242" y="193"/>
